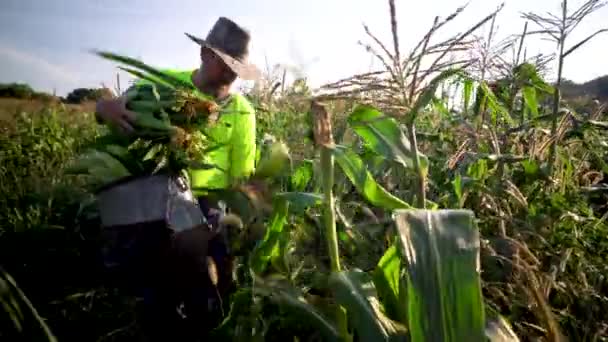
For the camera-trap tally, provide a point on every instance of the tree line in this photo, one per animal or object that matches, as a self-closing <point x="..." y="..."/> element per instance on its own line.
<point x="26" y="92"/>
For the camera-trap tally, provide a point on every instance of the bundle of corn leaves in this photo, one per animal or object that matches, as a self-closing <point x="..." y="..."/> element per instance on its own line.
<point x="168" y="132"/>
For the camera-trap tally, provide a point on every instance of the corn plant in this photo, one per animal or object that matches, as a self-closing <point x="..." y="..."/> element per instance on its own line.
<point x="385" y="304"/>
<point x="558" y="28"/>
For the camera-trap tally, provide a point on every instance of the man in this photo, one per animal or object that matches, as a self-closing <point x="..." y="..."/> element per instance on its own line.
<point x="224" y="56"/>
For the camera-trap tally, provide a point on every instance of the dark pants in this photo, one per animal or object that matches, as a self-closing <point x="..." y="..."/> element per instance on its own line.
<point x="180" y="302"/>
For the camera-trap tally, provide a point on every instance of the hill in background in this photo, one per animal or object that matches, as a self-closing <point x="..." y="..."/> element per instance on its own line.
<point x="596" y="89"/>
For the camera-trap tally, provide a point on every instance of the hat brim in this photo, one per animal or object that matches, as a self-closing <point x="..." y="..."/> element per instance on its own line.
<point x="246" y="71"/>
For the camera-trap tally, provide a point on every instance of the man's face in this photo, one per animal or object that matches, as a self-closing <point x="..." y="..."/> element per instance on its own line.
<point x="214" y="69"/>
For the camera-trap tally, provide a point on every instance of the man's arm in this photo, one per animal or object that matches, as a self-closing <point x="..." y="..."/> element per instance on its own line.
<point x="243" y="148"/>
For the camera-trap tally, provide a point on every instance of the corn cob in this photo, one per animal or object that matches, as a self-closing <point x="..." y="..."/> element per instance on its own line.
<point x="168" y="136"/>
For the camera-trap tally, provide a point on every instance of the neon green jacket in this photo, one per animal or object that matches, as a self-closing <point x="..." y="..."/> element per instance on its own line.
<point x="235" y="131"/>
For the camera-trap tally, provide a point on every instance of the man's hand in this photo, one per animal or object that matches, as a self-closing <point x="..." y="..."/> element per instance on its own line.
<point x="114" y="111"/>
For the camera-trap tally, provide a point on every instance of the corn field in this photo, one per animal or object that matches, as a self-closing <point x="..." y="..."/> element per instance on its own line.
<point x="453" y="195"/>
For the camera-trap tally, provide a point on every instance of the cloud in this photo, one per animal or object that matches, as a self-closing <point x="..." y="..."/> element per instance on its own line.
<point x="32" y="61"/>
<point x="23" y="66"/>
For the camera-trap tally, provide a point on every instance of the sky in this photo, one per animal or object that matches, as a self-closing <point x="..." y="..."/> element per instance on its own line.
<point x="46" y="43"/>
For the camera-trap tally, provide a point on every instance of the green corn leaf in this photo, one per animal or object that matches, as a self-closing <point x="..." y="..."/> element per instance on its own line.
<point x="354" y="290"/>
<point x="118" y="151"/>
<point x="122" y="154"/>
<point x="266" y="248"/>
<point x="391" y="290"/>
<point x="300" y="201"/>
<point x="468" y="91"/>
<point x="134" y="63"/>
<point x="497" y="110"/>
<point x="529" y="94"/>
<point x="428" y="93"/>
<point x="101" y="165"/>
<point x="278" y="260"/>
<point x="143" y="76"/>
<point x="383" y="135"/>
<point x="441" y="253"/>
<point x="240" y="304"/>
<point x="357" y="173"/>
<point x="527" y="73"/>
<point x="458" y="187"/>
<point x="302" y="175"/>
<point x="293" y="298"/>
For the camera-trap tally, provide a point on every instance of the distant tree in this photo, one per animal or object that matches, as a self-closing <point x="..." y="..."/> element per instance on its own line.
<point x="600" y="87"/>
<point x="81" y="95"/>
<point x="16" y="90"/>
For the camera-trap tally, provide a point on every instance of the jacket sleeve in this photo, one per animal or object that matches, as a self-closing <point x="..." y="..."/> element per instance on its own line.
<point x="243" y="141"/>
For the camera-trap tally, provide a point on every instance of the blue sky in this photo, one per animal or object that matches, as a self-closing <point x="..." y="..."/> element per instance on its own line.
<point x="45" y="43"/>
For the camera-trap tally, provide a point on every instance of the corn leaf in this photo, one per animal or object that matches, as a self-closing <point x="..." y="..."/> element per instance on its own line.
<point x="128" y="160"/>
<point x="496" y="109"/>
<point x="143" y="76"/>
<point x="300" y="201"/>
<point x="457" y="185"/>
<point x="354" y="290"/>
<point x="391" y="289"/>
<point x="441" y="253"/>
<point x="293" y="298"/>
<point x="136" y="64"/>
<point x="529" y="94"/>
<point x="428" y="93"/>
<point x="357" y="173"/>
<point x="468" y="90"/>
<point x="383" y="135"/>
<point x="118" y="151"/>
<point x="101" y="165"/>
<point x="266" y="248"/>
<point x="301" y="176"/>
<point x="240" y="305"/>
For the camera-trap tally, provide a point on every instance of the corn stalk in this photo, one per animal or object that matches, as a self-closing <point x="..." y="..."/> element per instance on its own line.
<point x="322" y="130"/>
